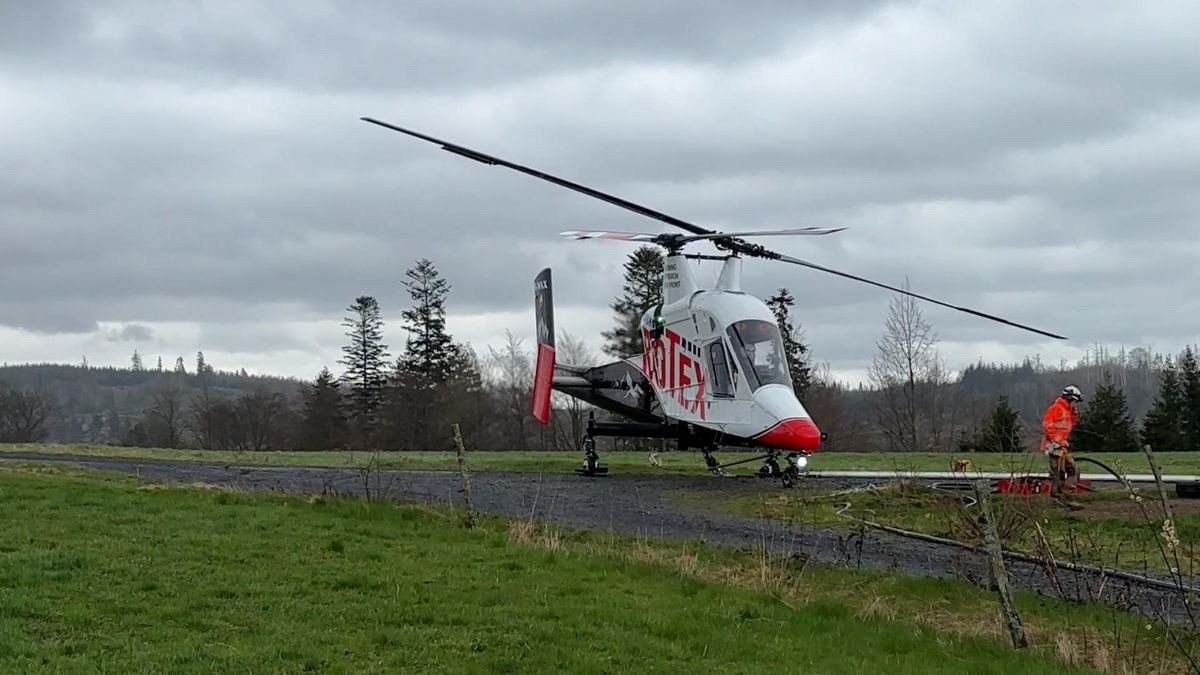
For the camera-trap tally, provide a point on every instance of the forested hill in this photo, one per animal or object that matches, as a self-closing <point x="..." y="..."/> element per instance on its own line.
<point x="99" y="405"/>
<point x="1030" y="386"/>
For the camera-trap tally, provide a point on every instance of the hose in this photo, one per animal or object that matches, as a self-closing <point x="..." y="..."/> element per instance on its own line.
<point x="1104" y="466"/>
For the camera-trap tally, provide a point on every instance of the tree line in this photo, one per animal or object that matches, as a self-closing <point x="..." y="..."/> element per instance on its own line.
<point x="912" y="401"/>
<point x="917" y="406"/>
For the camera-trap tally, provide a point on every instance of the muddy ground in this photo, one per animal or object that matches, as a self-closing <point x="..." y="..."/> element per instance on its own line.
<point x="646" y="506"/>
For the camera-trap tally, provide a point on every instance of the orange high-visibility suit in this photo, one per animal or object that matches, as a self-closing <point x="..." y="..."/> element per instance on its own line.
<point x="1056" y="427"/>
<point x="1057" y="424"/>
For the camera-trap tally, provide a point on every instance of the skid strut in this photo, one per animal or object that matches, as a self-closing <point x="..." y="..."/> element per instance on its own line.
<point x="591" y="458"/>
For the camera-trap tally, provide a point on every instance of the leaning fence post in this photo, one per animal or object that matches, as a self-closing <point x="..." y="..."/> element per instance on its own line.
<point x="991" y="540"/>
<point x="469" y="518"/>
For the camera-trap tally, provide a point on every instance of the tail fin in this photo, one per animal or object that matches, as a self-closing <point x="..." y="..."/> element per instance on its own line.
<point x="543" y="378"/>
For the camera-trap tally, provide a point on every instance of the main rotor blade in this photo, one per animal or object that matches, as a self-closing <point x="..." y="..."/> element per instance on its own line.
<point x="602" y="196"/>
<point x="991" y="317"/>
<point x="597" y="234"/>
<point x="797" y="231"/>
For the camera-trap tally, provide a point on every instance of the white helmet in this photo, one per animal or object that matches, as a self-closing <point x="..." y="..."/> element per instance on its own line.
<point x="1072" y="393"/>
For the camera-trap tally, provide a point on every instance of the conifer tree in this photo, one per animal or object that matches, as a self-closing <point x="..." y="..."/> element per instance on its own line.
<point x="201" y="365"/>
<point x="1189" y="376"/>
<point x="437" y="381"/>
<point x="1105" y="424"/>
<point x="136" y="361"/>
<point x="1001" y="433"/>
<point x="430" y="353"/>
<point x="323" y="422"/>
<point x="179" y="366"/>
<point x="642" y="290"/>
<point x="1163" y="427"/>
<point x="365" y="359"/>
<point x="793" y="341"/>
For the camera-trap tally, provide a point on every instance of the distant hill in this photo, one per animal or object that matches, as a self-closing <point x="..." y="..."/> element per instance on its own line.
<point x="97" y="405"/>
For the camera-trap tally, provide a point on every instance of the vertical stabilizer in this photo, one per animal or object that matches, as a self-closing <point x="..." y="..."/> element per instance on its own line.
<point x="678" y="281"/>
<point x="543" y="378"/>
<point x="731" y="275"/>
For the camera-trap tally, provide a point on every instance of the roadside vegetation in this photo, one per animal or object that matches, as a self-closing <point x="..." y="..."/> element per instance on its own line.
<point x="105" y="573"/>
<point x="689" y="463"/>
<point x="1109" y="530"/>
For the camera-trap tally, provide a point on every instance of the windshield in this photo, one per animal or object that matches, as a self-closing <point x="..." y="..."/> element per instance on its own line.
<point x="759" y="350"/>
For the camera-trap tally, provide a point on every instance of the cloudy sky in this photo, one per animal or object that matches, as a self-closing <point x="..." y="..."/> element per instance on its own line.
<point x="177" y="176"/>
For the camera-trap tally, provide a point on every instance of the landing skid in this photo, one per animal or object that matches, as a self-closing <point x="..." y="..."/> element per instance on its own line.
<point x="591" y="460"/>
<point x="794" y="467"/>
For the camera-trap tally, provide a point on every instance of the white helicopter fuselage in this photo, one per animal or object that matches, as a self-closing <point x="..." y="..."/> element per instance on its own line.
<point x="715" y="360"/>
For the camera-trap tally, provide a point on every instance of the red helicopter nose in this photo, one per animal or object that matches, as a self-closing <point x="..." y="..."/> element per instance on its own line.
<point x="797" y="433"/>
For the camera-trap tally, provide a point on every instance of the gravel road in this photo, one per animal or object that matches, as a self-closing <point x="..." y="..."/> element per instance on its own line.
<point x="646" y="506"/>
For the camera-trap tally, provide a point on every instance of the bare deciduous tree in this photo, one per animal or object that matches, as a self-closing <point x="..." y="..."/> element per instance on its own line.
<point x="570" y="419"/>
<point x="908" y="372"/>
<point x="825" y="401"/>
<point x="512" y="374"/>
<point x="263" y="417"/>
<point x="165" y="419"/>
<point x="23" y="416"/>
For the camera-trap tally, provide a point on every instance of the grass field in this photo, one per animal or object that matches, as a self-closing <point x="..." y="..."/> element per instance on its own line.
<point x="620" y="462"/>
<point x="101" y="573"/>
<point x="1111" y="528"/>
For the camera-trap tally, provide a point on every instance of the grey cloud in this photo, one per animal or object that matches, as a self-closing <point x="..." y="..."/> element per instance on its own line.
<point x="131" y="332"/>
<point x="167" y="162"/>
<point x="371" y="45"/>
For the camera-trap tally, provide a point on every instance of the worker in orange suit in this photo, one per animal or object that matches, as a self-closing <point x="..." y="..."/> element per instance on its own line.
<point x="1057" y="424"/>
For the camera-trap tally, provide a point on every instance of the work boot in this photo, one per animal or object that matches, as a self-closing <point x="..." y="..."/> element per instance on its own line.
<point x="1068" y="503"/>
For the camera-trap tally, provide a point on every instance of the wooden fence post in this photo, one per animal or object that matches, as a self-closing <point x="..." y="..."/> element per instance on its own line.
<point x="469" y="518"/>
<point x="991" y="541"/>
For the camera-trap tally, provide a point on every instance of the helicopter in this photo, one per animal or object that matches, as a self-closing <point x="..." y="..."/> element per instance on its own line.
<point x="713" y="371"/>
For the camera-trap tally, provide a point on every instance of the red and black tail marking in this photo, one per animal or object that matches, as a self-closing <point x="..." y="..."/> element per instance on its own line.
<point x="543" y="378"/>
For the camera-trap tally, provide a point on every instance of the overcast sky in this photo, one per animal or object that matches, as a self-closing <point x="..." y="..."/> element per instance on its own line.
<point x="177" y="176"/>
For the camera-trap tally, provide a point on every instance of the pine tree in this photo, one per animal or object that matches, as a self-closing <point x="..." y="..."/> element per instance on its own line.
<point x="435" y="378"/>
<point x="159" y="367"/>
<point x="364" y="358"/>
<point x="1001" y="433"/>
<point x="1163" y="427"/>
<point x="201" y="365"/>
<point x="642" y="290"/>
<point x="1189" y="375"/>
<point x="793" y="341"/>
<point x="136" y="361"/>
<point x="1105" y="424"/>
<point x="429" y="353"/>
<point x="179" y="366"/>
<point x="323" y="422"/>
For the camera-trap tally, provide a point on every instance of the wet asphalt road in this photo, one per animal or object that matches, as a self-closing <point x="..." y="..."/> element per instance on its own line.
<point x="641" y="505"/>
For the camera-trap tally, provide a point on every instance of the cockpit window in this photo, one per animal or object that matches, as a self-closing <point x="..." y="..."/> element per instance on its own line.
<point x="759" y="350"/>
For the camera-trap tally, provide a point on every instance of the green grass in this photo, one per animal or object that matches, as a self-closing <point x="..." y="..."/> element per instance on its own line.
<point x="619" y="462"/>
<point x="1110" y="529"/>
<point x="103" y="574"/>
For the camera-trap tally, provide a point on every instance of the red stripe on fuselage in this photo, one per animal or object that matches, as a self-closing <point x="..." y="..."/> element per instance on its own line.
<point x="543" y="381"/>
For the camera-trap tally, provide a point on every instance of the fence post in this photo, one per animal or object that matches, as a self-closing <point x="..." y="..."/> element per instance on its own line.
<point x="469" y="518"/>
<point x="991" y="541"/>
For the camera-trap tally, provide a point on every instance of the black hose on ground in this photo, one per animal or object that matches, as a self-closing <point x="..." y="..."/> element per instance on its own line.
<point x="1104" y="466"/>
